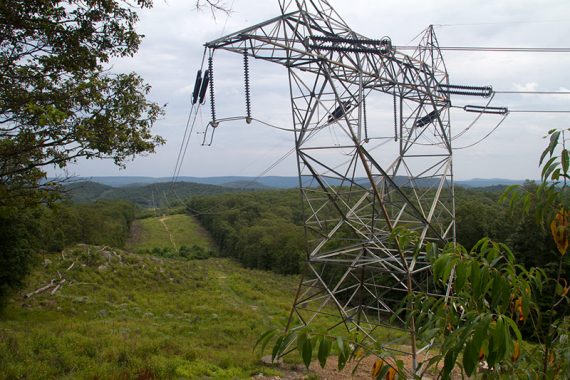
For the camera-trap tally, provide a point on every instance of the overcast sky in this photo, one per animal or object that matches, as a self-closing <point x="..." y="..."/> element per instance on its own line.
<point x="172" y="50"/>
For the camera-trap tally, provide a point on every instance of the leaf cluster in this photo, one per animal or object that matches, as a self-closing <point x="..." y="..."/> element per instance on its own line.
<point x="57" y="101"/>
<point x="492" y="295"/>
<point x="311" y="345"/>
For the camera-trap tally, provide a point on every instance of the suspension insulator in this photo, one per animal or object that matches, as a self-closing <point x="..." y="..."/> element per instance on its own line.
<point x="385" y="45"/>
<point x="212" y="100"/>
<point x="204" y="86"/>
<point x="489" y="110"/>
<point x="339" y="111"/>
<point x="427" y="119"/>
<point x="197" y="84"/>
<point x="366" y="139"/>
<point x="246" y="82"/>
<point x="395" y="116"/>
<point x="452" y="89"/>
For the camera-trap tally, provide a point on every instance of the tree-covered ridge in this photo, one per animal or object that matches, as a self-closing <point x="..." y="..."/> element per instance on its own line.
<point x="154" y="195"/>
<point x="51" y="229"/>
<point x="265" y="229"/>
<point x="261" y="229"/>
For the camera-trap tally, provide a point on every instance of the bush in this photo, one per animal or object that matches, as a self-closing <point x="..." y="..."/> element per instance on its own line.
<point x="194" y="252"/>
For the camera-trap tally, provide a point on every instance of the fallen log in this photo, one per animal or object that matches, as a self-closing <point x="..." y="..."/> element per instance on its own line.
<point x="58" y="286"/>
<point x="42" y="289"/>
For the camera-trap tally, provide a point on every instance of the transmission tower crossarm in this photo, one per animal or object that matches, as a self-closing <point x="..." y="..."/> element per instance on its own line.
<point x="297" y="40"/>
<point x="244" y="34"/>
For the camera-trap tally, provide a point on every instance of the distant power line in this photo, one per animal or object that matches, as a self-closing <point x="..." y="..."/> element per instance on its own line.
<point x="541" y="111"/>
<point x="503" y="23"/>
<point x="495" y="49"/>
<point x="534" y="92"/>
<point x="511" y="111"/>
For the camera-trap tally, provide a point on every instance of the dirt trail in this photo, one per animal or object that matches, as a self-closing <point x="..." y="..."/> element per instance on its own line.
<point x="162" y="221"/>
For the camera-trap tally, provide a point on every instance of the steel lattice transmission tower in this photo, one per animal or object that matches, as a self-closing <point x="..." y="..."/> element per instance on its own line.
<point x="359" y="181"/>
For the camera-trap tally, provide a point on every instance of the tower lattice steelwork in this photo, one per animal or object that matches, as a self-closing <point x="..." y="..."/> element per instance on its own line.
<point x="360" y="180"/>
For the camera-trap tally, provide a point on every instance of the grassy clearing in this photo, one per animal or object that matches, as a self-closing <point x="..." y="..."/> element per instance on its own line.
<point x="122" y="315"/>
<point x="168" y="231"/>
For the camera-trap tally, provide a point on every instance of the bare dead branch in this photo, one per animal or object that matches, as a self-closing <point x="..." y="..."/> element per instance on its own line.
<point x="215" y="6"/>
<point x="42" y="289"/>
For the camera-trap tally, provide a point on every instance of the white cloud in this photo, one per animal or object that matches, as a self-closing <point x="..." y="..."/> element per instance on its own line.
<point x="533" y="86"/>
<point x="173" y="50"/>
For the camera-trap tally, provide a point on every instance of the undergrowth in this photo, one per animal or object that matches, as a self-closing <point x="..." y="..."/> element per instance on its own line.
<point x="123" y="315"/>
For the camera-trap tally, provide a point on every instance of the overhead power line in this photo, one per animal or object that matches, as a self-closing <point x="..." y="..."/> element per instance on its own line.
<point x="541" y="111"/>
<point x="471" y="108"/>
<point x="535" y="92"/>
<point x="495" y="49"/>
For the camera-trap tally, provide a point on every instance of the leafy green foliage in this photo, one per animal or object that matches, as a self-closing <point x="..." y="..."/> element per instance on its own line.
<point x="52" y="229"/>
<point x="307" y="342"/>
<point x="58" y="102"/>
<point x="18" y="232"/>
<point x="491" y="294"/>
<point x="549" y="202"/>
<point x="262" y="229"/>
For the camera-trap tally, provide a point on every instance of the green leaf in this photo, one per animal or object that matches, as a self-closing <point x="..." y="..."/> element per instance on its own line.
<point x="277" y="349"/>
<point x="498" y="335"/>
<point x="264" y="339"/>
<point x="548" y="168"/>
<point x="449" y="264"/>
<point x="482" y="328"/>
<point x="496" y="290"/>
<point x="554" y="136"/>
<point x="340" y="344"/>
<point x="565" y="160"/>
<point x="471" y="356"/>
<point x="438" y="266"/>
<point x="448" y="364"/>
<point x="383" y="372"/>
<point x="281" y="345"/>
<point x="559" y="289"/>
<point x="301" y="338"/>
<point x="324" y="351"/>
<point x="475" y="279"/>
<point x="491" y="358"/>
<point x="307" y="352"/>
<point x="543" y="156"/>
<point x="342" y="356"/>
<point x="514" y="327"/>
<point x="460" y="275"/>
<point x="500" y="338"/>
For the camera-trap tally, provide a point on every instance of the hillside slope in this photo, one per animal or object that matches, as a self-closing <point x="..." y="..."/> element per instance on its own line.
<point x="123" y="315"/>
<point x="168" y="232"/>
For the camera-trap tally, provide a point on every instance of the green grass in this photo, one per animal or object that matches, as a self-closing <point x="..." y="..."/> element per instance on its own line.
<point x="168" y="231"/>
<point x="123" y="315"/>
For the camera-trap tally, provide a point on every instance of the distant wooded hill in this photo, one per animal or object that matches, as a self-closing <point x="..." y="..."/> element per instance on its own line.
<point x="145" y="195"/>
<point x="266" y="182"/>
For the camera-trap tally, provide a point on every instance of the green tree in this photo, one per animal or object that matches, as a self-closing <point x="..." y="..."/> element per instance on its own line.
<point x="59" y="102"/>
<point x="549" y="203"/>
